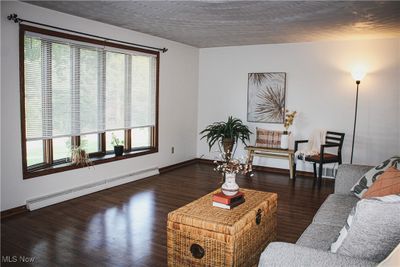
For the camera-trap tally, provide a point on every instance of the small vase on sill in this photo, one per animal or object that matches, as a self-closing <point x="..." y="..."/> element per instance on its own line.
<point x="285" y="140"/>
<point x="230" y="187"/>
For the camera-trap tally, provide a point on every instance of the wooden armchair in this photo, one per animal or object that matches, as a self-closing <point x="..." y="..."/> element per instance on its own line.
<point x="333" y="139"/>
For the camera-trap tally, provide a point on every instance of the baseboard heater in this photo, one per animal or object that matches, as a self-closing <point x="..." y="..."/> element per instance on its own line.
<point x="329" y="172"/>
<point x="55" y="198"/>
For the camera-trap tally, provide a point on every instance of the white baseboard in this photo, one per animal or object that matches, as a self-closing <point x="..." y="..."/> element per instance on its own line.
<point x="55" y="198"/>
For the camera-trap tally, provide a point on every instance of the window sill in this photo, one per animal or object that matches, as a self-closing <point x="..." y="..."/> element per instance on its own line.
<point x="95" y="161"/>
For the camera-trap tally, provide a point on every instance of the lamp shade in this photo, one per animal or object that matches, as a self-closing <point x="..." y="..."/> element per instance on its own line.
<point x="358" y="74"/>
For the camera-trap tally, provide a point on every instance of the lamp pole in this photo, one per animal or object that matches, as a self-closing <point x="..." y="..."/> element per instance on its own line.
<point x="355" y="122"/>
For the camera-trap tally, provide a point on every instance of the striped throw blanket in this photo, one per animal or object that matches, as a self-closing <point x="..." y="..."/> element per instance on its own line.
<point x="268" y="138"/>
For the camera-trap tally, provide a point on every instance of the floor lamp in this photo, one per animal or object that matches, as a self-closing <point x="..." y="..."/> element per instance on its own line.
<point x="358" y="75"/>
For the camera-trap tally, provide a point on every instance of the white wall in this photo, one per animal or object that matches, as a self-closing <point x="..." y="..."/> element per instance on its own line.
<point x="178" y="107"/>
<point x="319" y="87"/>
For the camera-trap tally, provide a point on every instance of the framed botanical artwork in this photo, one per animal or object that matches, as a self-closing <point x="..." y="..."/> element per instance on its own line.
<point x="266" y="93"/>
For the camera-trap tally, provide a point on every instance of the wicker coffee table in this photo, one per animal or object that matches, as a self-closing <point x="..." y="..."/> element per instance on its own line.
<point x="202" y="235"/>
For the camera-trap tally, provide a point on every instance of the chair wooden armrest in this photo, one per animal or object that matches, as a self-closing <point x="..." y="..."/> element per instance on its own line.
<point x="327" y="145"/>
<point x="297" y="142"/>
<point x="330" y="145"/>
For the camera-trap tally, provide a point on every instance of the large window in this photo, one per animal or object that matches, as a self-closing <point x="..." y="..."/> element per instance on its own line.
<point x="80" y="92"/>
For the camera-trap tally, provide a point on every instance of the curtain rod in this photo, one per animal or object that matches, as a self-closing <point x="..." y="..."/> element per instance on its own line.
<point x="16" y="19"/>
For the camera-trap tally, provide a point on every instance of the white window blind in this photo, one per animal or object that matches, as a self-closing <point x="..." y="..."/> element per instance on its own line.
<point x="74" y="88"/>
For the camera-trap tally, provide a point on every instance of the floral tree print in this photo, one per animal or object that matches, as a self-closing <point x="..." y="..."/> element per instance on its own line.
<point x="259" y="78"/>
<point x="271" y="105"/>
<point x="266" y="97"/>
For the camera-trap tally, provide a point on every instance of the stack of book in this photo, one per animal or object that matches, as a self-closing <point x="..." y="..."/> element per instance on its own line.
<point x="227" y="202"/>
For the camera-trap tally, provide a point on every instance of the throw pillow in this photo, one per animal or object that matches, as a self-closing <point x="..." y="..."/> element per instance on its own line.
<point x="387" y="184"/>
<point x="343" y="233"/>
<point x="267" y="138"/>
<point x="372" y="230"/>
<point x="372" y="175"/>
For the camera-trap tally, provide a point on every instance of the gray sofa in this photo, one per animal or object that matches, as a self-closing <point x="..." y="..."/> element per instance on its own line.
<point x="313" y="246"/>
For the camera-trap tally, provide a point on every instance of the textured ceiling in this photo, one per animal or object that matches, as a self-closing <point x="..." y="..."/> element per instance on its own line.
<point x="229" y="23"/>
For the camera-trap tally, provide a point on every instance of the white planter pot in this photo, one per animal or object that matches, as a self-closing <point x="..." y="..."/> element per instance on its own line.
<point x="284" y="141"/>
<point x="230" y="187"/>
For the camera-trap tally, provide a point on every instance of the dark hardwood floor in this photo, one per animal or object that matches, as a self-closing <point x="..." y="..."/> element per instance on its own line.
<point x="126" y="225"/>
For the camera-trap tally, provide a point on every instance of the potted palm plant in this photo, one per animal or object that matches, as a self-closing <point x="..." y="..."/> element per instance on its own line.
<point x="226" y="133"/>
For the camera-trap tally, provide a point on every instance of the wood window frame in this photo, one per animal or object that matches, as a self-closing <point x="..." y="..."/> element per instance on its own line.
<point x="100" y="157"/>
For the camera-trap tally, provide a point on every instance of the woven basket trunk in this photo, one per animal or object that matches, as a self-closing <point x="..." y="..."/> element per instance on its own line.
<point x="202" y="235"/>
